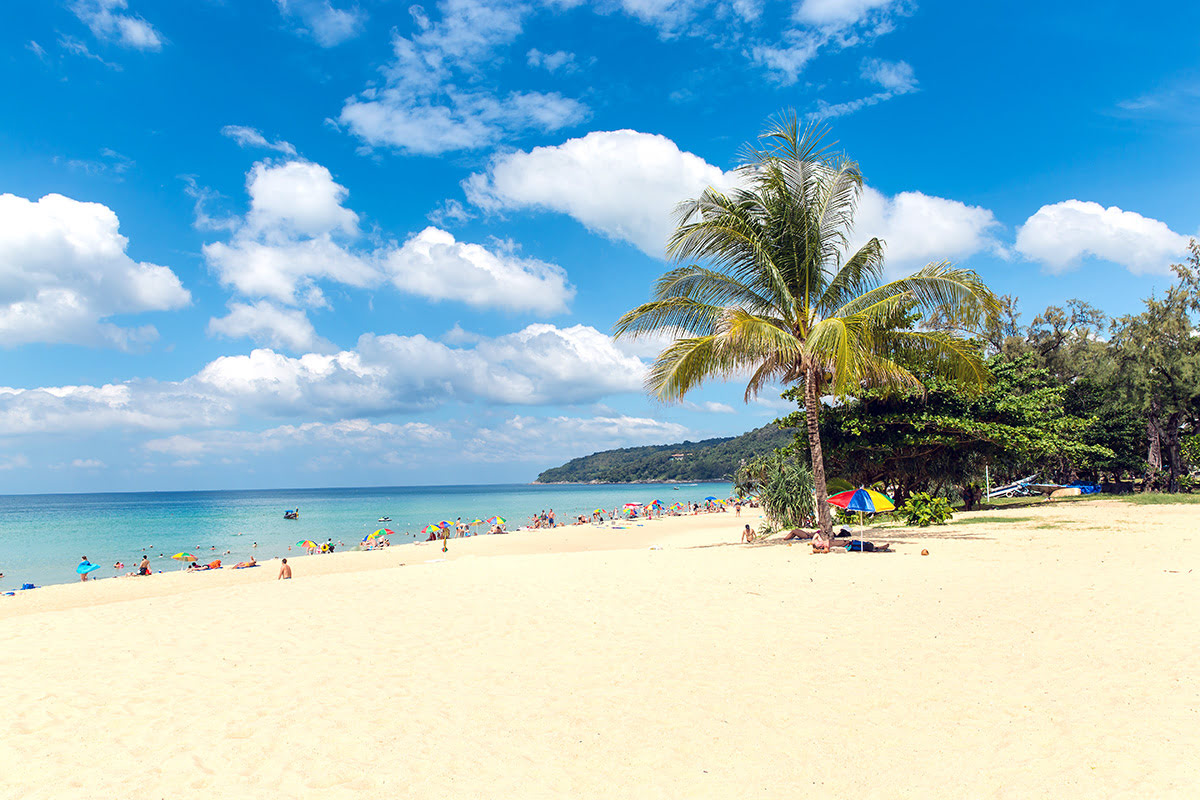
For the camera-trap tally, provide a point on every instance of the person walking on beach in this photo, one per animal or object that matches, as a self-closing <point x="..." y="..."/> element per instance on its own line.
<point x="285" y="572"/>
<point x="82" y="569"/>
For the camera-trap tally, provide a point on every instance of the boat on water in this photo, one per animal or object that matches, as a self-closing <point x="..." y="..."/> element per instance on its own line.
<point x="292" y="514"/>
<point x="385" y="519"/>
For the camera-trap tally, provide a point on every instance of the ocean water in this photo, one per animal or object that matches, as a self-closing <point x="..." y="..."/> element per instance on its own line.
<point x="42" y="537"/>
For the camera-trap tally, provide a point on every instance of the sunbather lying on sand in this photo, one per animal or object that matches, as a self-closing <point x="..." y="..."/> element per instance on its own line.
<point x="797" y="533"/>
<point x="245" y="564"/>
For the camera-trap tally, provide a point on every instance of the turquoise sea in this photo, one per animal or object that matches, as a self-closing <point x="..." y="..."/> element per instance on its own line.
<point x="43" y="536"/>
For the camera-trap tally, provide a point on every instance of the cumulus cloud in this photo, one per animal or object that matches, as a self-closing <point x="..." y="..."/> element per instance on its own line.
<point x="1061" y="234"/>
<point x="622" y="184"/>
<point x="917" y="228"/>
<point x="298" y="233"/>
<point x="64" y="271"/>
<point x="108" y="22"/>
<point x="387" y="374"/>
<point x="432" y="264"/>
<point x="268" y="324"/>
<point x="425" y="106"/>
<point x="328" y="26"/>
<point x="252" y="137"/>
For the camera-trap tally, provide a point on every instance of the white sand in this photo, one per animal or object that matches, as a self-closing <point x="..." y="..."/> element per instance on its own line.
<point x="1015" y="661"/>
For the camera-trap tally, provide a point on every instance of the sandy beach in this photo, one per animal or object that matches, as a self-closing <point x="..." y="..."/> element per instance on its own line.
<point x="1046" y="657"/>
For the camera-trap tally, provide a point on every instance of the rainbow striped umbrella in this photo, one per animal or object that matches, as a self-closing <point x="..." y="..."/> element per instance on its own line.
<point x="430" y="529"/>
<point x="862" y="499"/>
<point x="380" y="532"/>
<point x="184" y="557"/>
<point x="497" y="520"/>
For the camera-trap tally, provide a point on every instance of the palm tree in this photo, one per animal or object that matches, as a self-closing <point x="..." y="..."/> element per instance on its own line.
<point x="776" y="296"/>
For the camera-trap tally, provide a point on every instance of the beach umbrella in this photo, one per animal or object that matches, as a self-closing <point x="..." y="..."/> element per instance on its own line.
<point x="184" y="557"/>
<point x="306" y="544"/>
<point x="380" y="532"/>
<point x="710" y="498"/>
<point x="497" y="521"/>
<point x="861" y="500"/>
<point x="633" y="505"/>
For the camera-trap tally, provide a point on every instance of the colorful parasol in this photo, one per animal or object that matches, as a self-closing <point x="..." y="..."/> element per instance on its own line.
<point x="184" y="557"/>
<point x="497" y="521"/>
<point x="307" y="544"/>
<point x="860" y="499"/>
<point x="380" y="532"/>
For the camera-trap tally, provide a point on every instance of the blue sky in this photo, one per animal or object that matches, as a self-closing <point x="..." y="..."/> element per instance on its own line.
<point x="305" y="243"/>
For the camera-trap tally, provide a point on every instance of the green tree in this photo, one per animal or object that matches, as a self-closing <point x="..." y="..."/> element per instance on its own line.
<point x="777" y="294"/>
<point x="941" y="434"/>
<point x="1157" y="354"/>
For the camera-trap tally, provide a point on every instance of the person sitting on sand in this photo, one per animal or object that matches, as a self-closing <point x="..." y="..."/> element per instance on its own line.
<point x="821" y="543"/>
<point x="144" y="567"/>
<point x="747" y="534"/>
<point x="285" y="572"/>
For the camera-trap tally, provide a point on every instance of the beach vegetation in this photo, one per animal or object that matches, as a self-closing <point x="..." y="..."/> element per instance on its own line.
<point x="783" y="483"/>
<point x="923" y="509"/>
<point x="768" y="285"/>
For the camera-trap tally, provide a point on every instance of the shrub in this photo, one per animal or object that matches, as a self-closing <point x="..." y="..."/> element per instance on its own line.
<point x="923" y="510"/>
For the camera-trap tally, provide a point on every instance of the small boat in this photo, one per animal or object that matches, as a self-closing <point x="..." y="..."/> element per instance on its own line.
<point x="292" y="514"/>
<point x="385" y="519"/>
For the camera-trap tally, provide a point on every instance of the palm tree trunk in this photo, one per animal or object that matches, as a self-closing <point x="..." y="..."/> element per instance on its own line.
<point x="811" y="407"/>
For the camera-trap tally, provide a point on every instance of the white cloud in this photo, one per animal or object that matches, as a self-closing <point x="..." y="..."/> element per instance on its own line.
<point x="424" y="107"/>
<point x="298" y="232"/>
<point x="354" y="434"/>
<point x="64" y="271"/>
<point x="19" y="461"/>
<point x="105" y="20"/>
<point x="623" y="184"/>
<point x="551" y="62"/>
<point x="270" y="325"/>
<point x="895" y="78"/>
<point x="1061" y="234"/>
<point x="786" y="59"/>
<point x="297" y="198"/>
<point x="88" y="463"/>
<point x="526" y="438"/>
<point x="917" y="228"/>
<point x="387" y="374"/>
<point x="134" y="405"/>
<point x="328" y="26"/>
<point x="840" y="13"/>
<point x="709" y="407"/>
<point x="251" y="137"/>
<point x="432" y="264"/>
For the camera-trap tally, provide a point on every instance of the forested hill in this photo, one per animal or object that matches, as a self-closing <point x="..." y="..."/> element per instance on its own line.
<point x="709" y="460"/>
